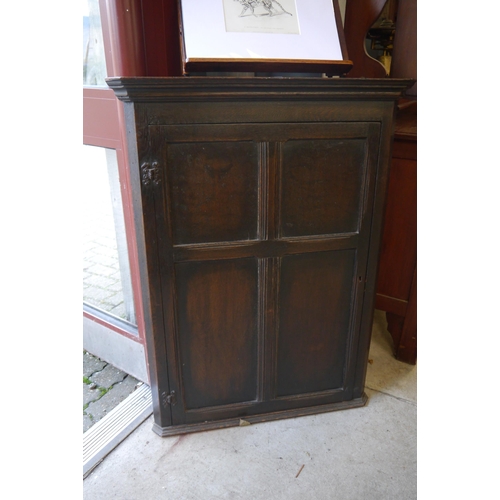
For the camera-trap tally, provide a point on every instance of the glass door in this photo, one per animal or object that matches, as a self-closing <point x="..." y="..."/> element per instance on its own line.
<point x="107" y="284"/>
<point x="112" y="328"/>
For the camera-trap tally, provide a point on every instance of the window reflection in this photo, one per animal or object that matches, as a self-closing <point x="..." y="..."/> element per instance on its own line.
<point x="94" y="62"/>
<point x="107" y="283"/>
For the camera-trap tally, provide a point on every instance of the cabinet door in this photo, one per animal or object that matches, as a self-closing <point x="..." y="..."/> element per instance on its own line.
<point x="263" y="236"/>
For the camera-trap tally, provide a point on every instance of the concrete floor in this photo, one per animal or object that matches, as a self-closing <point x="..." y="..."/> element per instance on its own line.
<point x="362" y="453"/>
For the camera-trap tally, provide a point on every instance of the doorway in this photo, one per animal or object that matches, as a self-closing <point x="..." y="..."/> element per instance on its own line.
<point x="112" y="328"/>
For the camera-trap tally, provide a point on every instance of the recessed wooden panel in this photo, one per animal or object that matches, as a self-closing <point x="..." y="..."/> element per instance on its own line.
<point x="322" y="185"/>
<point x="314" y="312"/>
<point x="213" y="186"/>
<point x="217" y="325"/>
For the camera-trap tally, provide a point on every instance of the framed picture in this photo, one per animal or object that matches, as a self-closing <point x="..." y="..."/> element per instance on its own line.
<point x="299" y="36"/>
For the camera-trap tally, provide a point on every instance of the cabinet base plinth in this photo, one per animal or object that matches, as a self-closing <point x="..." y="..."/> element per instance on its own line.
<point x="254" y="419"/>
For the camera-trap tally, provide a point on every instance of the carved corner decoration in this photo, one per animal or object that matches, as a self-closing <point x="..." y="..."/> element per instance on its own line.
<point x="150" y="173"/>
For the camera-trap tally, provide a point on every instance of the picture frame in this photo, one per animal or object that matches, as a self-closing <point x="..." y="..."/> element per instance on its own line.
<point x="270" y="36"/>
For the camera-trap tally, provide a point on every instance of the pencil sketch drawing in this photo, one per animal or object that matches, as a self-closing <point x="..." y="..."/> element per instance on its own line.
<point x="268" y="5"/>
<point x="261" y="16"/>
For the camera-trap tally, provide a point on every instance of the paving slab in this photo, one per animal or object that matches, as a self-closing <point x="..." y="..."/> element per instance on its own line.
<point x="99" y="281"/>
<point x="91" y="364"/>
<point x="102" y="270"/>
<point x="108" y="376"/>
<point x="90" y="395"/>
<point x="108" y="387"/>
<point x="109" y="252"/>
<point x="111" y="399"/>
<point x="88" y="422"/>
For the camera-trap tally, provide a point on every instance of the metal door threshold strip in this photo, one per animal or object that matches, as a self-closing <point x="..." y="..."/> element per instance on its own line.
<point x="109" y="432"/>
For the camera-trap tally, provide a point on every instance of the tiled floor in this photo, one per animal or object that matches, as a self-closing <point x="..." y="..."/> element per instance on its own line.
<point x="358" y="454"/>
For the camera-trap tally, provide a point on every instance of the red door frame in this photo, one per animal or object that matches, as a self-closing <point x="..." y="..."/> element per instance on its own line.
<point x="140" y="39"/>
<point x="103" y="127"/>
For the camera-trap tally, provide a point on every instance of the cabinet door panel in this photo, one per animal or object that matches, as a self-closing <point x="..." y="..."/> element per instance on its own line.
<point x="263" y="247"/>
<point x="314" y="316"/>
<point x="217" y="318"/>
<point x="322" y="185"/>
<point x="213" y="186"/>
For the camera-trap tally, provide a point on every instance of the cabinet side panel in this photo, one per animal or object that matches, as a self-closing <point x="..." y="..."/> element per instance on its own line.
<point x="314" y="312"/>
<point x="217" y="315"/>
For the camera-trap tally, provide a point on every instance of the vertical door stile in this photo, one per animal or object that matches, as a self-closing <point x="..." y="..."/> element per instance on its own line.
<point x="149" y="179"/>
<point x="274" y="327"/>
<point x="172" y="384"/>
<point x="364" y="229"/>
<point x="263" y="280"/>
<point x="263" y="213"/>
<point x="277" y="169"/>
<point x="380" y="144"/>
<point x="273" y="269"/>
<point x="263" y="268"/>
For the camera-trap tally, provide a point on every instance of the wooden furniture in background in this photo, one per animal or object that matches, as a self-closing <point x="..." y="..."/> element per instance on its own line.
<point x="360" y="15"/>
<point x="397" y="281"/>
<point x="258" y="205"/>
<point x="398" y="264"/>
<point x="404" y="53"/>
<point x="397" y="284"/>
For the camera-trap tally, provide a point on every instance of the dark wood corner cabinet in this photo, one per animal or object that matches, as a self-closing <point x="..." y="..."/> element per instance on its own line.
<point x="258" y="208"/>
